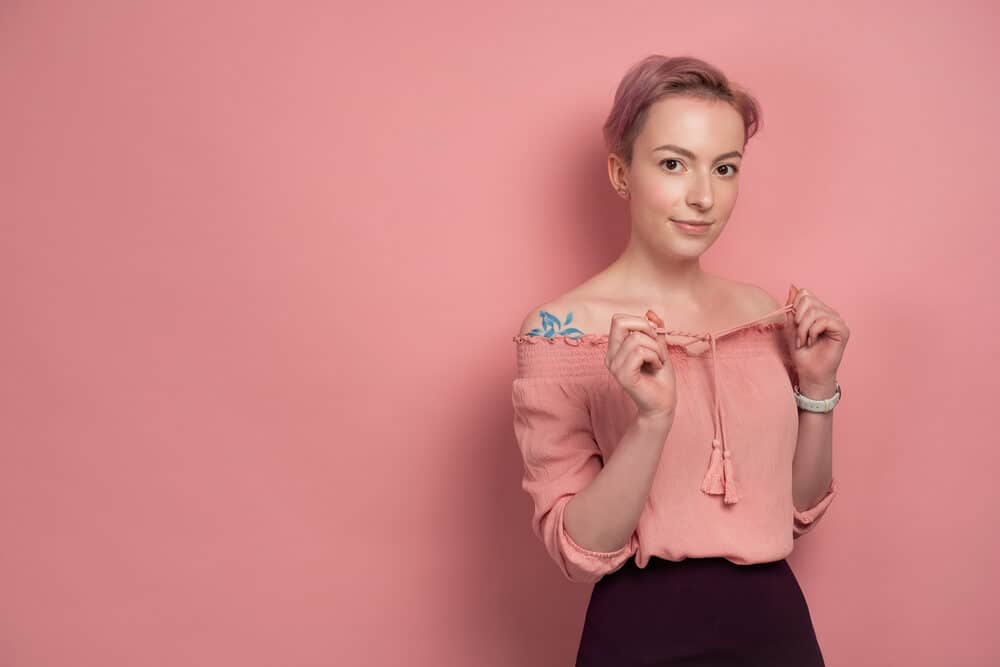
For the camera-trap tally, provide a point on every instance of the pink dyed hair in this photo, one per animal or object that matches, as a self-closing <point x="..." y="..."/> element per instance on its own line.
<point x="656" y="77"/>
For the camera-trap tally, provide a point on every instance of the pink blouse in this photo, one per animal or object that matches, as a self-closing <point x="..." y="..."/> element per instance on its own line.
<point x="723" y="485"/>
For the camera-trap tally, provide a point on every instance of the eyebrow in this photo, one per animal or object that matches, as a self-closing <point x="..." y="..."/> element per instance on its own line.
<point x="688" y="154"/>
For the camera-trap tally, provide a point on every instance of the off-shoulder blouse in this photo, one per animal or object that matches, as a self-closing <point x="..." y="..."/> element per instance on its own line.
<point x="723" y="485"/>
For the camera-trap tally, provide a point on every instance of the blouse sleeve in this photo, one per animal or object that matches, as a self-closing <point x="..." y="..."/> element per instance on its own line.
<point x="561" y="457"/>
<point x="806" y="520"/>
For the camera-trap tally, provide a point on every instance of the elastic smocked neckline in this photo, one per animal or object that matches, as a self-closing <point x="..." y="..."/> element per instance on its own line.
<point x="592" y="339"/>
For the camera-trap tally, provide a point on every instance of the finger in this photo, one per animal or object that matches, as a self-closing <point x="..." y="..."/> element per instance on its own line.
<point x="805" y="300"/>
<point x="815" y="301"/>
<point x="815" y="329"/>
<point x="821" y="325"/>
<point x="800" y="306"/>
<point x="621" y="325"/>
<point x="639" y="340"/>
<point x="803" y="307"/>
<point x="790" y="314"/>
<point x="814" y="313"/>
<point x="614" y="338"/>
<point x="640" y="356"/>
<point x="802" y="332"/>
<point x="661" y="337"/>
<point x="636" y="340"/>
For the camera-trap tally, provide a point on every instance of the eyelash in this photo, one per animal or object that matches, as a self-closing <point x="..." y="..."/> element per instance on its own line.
<point x="731" y="166"/>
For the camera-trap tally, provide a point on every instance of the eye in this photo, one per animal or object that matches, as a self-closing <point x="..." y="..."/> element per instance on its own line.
<point x="667" y="163"/>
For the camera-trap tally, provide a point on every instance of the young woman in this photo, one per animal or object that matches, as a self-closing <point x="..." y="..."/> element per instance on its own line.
<point x="673" y="463"/>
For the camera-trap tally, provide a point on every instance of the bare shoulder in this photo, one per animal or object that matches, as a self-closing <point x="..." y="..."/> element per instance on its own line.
<point x="573" y="314"/>
<point x="758" y="300"/>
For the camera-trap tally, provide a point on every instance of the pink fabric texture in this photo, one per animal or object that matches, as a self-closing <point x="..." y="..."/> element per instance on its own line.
<point x="723" y="486"/>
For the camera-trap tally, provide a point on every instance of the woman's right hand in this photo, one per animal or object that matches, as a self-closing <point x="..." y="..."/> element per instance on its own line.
<point x="639" y="361"/>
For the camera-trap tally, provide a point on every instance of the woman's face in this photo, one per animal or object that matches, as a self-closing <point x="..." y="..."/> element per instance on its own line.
<point x="685" y="166"/>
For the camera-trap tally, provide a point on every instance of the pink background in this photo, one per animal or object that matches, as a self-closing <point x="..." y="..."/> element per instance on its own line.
<point x="262" y="263"/>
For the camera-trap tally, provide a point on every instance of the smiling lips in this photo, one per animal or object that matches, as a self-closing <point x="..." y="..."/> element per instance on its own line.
<point x="695" y="228"/>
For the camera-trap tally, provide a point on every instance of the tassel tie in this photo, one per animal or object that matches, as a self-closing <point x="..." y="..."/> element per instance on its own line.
<point x="719" y="479"/>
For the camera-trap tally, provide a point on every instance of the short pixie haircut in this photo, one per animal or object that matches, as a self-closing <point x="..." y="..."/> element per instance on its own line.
<point x="656" y="77"/>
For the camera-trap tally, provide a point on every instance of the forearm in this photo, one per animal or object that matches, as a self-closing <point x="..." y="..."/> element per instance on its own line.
<point x="603" y="516"/>
<point x="812" y="467"/>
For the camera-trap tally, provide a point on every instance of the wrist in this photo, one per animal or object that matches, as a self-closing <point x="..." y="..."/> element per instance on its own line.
<point x="655" y="420"/>
<point x="819" y="391"/>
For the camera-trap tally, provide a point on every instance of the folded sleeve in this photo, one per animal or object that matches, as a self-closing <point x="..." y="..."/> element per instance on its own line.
<point x="806" y="520"/>
<point x="561" y="457"/>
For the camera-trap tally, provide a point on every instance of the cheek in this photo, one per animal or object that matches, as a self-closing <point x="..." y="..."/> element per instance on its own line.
<point x="730" y="192"/>
<point x="666" y="195"/>
<point x="725" y="200"/>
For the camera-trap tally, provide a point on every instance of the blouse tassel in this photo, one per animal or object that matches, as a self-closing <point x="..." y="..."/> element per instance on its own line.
<point x="731" y="495"/>
<point x="720" y="479"/>
<point x="712" y="484"/>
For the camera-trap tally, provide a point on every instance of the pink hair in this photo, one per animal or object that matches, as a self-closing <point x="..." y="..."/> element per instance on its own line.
<point x="656" y="77"/>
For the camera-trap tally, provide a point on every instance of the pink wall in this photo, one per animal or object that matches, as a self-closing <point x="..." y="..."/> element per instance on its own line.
<point x="261" y="268"/>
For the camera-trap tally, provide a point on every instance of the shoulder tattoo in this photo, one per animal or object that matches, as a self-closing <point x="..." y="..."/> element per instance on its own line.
<point x="552" y="326"/>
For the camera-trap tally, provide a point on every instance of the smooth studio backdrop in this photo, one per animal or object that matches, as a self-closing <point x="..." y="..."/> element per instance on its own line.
<point x="262" y="263"/>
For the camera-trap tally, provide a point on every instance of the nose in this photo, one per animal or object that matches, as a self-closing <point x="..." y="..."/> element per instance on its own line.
<point x="700" y="193"/>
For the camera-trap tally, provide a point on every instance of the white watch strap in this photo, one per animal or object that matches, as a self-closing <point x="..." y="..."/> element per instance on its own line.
<point x="814" y="405"/>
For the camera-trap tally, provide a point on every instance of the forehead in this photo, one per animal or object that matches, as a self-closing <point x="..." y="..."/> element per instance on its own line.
<point x="696" y="124"/>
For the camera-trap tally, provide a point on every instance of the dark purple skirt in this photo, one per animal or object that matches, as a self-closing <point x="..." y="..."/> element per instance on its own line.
<point x="698" y="611"/>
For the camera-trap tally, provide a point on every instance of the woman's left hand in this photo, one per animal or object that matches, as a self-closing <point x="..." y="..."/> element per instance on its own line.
<point x="817" y="339"/>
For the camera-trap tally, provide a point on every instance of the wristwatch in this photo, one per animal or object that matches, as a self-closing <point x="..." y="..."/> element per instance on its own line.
<point x="813" y="405"/>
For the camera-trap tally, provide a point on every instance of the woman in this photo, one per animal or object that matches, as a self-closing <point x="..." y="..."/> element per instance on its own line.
<point x="673" y="463"/>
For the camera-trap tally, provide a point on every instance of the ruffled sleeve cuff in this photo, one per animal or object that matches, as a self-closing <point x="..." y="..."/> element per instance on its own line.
<point x="583" y="565"/>
<point x="805" y="520"/>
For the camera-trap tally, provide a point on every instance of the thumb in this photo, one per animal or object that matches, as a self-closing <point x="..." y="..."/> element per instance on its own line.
<point x="660" y="337"/>
<point x="790" y="330"/>
<point x="654" y="318"/>
<point x="792" y="291"/>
